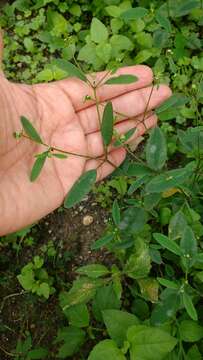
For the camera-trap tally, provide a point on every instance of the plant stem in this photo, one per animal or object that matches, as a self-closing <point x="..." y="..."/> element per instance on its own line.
<point x="53" y="148"/>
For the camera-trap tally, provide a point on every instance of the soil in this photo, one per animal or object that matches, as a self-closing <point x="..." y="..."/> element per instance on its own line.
<point x="42" y="318"/>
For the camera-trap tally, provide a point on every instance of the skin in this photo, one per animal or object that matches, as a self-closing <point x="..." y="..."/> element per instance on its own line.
<point x="58" y="111"/>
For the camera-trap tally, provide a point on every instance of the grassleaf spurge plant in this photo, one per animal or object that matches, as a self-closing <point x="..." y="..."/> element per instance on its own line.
<point x="145" y="304"/>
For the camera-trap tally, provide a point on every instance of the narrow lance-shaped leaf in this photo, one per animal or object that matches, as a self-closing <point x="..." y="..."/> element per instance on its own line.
<point x="122" y="79"/>
<point x="104" y="240"/>
<point x="174" y="100"/>
<point x="30" y="130"/>
<point x="81" y="188"/>
<point x="187" y="301"/>
<point x="168" y="244"/>
<point x="107" y="124"/>
<point x="70" y="68"/>
<point x="38" y="165"/>
<point x="116" y="213"/>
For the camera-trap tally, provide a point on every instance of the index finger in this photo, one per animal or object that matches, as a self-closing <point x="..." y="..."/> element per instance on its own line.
<point x="77" y="89"/>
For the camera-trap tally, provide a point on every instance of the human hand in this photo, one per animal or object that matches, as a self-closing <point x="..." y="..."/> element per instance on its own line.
<point x="58" y="111"/>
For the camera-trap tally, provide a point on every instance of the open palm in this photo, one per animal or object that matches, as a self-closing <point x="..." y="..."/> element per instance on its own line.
<point x="63" y="119"/>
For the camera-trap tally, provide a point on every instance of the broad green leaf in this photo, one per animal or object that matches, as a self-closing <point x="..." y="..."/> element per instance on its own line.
<point x="30" y="130"/>
<point x="190" y="331"/>
<point x="156" y="149"/>
<point x="187" y="301"/>
<point x="106" y="349"/>
<point x="69" y="68"/>
<point x="107" y="124"/>
<point x="93" y="270"/>
<point x="186" y="7"/>
<point x="98" y="31"/>
<point x="103" y="51"/>
<point x="168" y="244"/>
<point x="44" y="290"/>
<point x="188" y="242"/>
<point x="138" y="265"/>
<point x="143" y="56"/>
<point x="160" y="38"/>
<point x="133" y="220"/>
<point x="113" y="10"/>
<point x="168" y="283"/>
<point x="104" y="299"/>
<point x="137" y="169"/>
<point x="168" y="180"/>
<point x="134" y="13"/>
<point x="38" y="166"/>
<point x="81" y="188"/>
<point x="120" y="43"/>
<point x="164" y="22"/>
<point x="177" y="224"/>
<point x="104" y="240"/>
<point x="166" y="309"/>
<point x="116" y="213"/>
<point x="72" y="339"/>
<point x="174" y="101"/>
<point x="117" y="323"/>
<point x="78" y="315"/>
<point x="122" y="79"/>
<point x="149" y="343"/>
<point x="82" y="291"/>
<point x="38" y="353"/>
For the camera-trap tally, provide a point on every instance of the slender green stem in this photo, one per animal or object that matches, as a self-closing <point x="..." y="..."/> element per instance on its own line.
<point x="103" y="78"/>
<point x="53" y="148"/>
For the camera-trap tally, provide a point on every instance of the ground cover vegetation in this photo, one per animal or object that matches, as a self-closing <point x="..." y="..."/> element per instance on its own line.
<point x="146" y="303"/>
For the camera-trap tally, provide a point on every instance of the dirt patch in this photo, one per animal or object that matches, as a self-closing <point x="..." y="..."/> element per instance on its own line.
<point x="69" y="235"/>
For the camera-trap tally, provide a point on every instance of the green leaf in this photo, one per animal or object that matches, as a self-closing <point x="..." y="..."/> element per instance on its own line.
<point x="187" y="301"/>
<point x="188" y="242"/>
<point x="81" y="188"/>
<point x="149" y="343"/>
<point x="168" y="283"/>
<point x="137" y="184"/>
<point x="194" y="354"/>
<point x="177" y="224"/>
<point x="142" y="56"/>
<point x="78" y="315"/>
<point x="156" y="149"/>
<point x="93" y="271"/>
<point x="137" y="169"/>
<point x="122" y="79"/>
<point x="44" y="290"/>
<point x="105" y="299"/>
<point x="164" y="22"/>
<point x="113" y="10"/>
<point x="104" y="240"/>
<point x="30" y="130"/>
<point x="116" y="213"/>
<point x="82" y="291"/>
<point x="39" y="353"/>
<point x="190" y="331"/>
<point x="107" y="350"/>
<point x="174" y="101"/>
<point x="186" y="7"/>
<point x="107" y="124"/>
<point x="60" y="156"/>
<point x="133" y="220"/>
<point x="72" y="338"/>
<point x="69" y="68"/>
<point x="134" y="13"/>
<point x="168" y="180"/>
<point x="166" y="309"/>
<point x="38" y="166"/>
<point x="168" y="244"/>
<point x="98" y="31"/>
<point x="160" y="38"/>
<point x="138" y="265"/>
<point x="149" y="288"/>
<point x="117" y="323"/>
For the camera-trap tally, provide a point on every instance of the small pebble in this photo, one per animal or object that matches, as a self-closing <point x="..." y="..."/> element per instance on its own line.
<point x="87" y="220"/>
